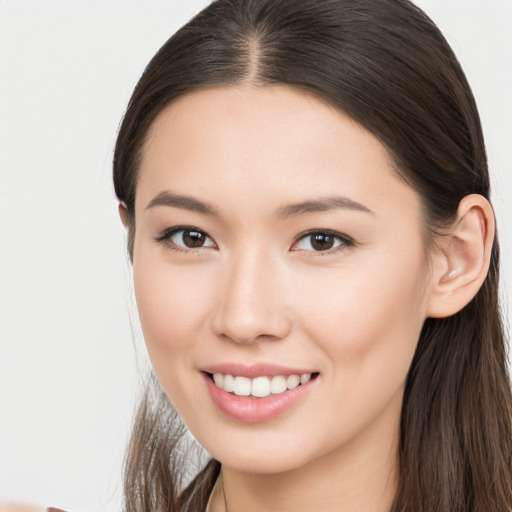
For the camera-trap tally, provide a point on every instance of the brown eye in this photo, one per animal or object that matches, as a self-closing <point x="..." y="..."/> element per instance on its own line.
<point x="190" y="238"/>
<point x="193" y="239"/>
<point x="182" y="238"/>
<point x="321" y="241"/>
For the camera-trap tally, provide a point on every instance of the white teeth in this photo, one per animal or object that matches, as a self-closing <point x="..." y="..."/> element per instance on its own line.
<point x="292" y="381"/>
<point x="218" y="378"/>
<point x="228" y="383"/>
<point x="259" y="387"/>
<point x="242" y="386"/>
<point x="277" y="385"/>
<point x="305" y="378"/>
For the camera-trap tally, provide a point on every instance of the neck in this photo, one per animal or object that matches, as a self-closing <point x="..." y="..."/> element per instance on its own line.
<point x="359" y="476"/>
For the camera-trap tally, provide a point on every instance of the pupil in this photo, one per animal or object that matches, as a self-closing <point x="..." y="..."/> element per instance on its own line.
<point x="322" y="242"/>
<point x="193" y="239"/>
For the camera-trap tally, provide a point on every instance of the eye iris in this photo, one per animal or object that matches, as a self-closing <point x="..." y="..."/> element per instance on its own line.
<point x="321" y="242"/>
<point x="193" y="239"/>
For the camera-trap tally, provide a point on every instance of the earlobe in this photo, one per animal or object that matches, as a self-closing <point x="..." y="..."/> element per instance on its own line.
<point x="124" y="214"/>
<point x="462" y="261"/>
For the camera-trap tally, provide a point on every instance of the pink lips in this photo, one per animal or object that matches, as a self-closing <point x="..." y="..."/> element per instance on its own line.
<point x="250" y="409"/>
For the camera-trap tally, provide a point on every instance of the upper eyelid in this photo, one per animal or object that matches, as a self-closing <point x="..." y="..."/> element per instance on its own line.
<point x="177" y="229"/>
<point x="329" y="232"/>
<point x="319" y="230"/>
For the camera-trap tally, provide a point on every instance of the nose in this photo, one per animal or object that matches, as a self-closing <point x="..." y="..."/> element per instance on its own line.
<point x="251" y="301"/>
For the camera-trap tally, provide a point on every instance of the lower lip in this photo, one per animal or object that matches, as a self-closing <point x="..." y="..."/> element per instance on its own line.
<point x="254" y="410"/>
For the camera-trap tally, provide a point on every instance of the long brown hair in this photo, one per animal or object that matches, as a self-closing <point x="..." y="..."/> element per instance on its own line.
<point x="386" y="65"/>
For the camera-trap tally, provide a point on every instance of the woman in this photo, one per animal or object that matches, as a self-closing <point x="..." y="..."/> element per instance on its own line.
<point x="306" y="194"/>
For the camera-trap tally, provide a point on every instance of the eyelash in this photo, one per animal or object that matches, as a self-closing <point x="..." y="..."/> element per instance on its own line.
<point x="344" y="240"/>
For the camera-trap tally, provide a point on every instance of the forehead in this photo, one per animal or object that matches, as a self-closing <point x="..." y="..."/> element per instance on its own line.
<point x="275" y="143"/>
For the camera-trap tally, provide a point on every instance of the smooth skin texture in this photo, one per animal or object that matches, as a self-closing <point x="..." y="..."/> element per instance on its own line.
<point x="258" y="290"/>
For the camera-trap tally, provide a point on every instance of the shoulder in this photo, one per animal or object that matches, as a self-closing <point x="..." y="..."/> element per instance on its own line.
<point x="24" y="507"/>
<point x="20" y="507"/>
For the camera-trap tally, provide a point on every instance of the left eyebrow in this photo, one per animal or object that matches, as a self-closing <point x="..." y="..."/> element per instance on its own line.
<point x="321" y="205"/>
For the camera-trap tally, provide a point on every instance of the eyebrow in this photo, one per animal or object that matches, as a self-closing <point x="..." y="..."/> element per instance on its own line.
<point x="321" y="205"/>
<point x="166" y="198"/>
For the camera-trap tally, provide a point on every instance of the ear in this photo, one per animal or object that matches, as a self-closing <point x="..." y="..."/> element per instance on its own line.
<point x="124" y="214"/>
<point x="461" y="262"/>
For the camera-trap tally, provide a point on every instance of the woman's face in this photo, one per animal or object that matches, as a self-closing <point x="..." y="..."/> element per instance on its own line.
<point x="274" y="240"/>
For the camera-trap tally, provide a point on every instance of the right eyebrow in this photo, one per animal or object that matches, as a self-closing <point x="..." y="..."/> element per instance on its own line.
<point x="166" y="198"/>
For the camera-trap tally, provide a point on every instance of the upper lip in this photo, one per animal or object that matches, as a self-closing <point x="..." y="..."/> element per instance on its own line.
<point x="255" y="370"/>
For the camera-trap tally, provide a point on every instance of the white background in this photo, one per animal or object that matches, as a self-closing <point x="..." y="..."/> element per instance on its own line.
<point x="68" y="364"/>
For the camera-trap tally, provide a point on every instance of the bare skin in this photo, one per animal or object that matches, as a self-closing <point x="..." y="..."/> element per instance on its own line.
<point x="20" y="507"/>
<point x="257" y="290"/>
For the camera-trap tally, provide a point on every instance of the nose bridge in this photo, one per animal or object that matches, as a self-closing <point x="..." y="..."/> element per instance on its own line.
<point x="250" y="303"/>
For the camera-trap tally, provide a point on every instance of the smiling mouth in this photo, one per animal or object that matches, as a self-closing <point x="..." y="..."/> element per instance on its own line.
<point x="259" y="387"/>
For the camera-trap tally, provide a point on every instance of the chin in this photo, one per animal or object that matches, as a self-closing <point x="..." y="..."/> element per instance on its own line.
<point x="257" y="464"/>
<point x="260" y="458"/>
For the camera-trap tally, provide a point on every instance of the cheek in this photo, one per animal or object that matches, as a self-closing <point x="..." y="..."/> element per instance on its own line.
<point x="366" y="320"/>
<point x="367" y="326"/>
<point x="172" y="305"/>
